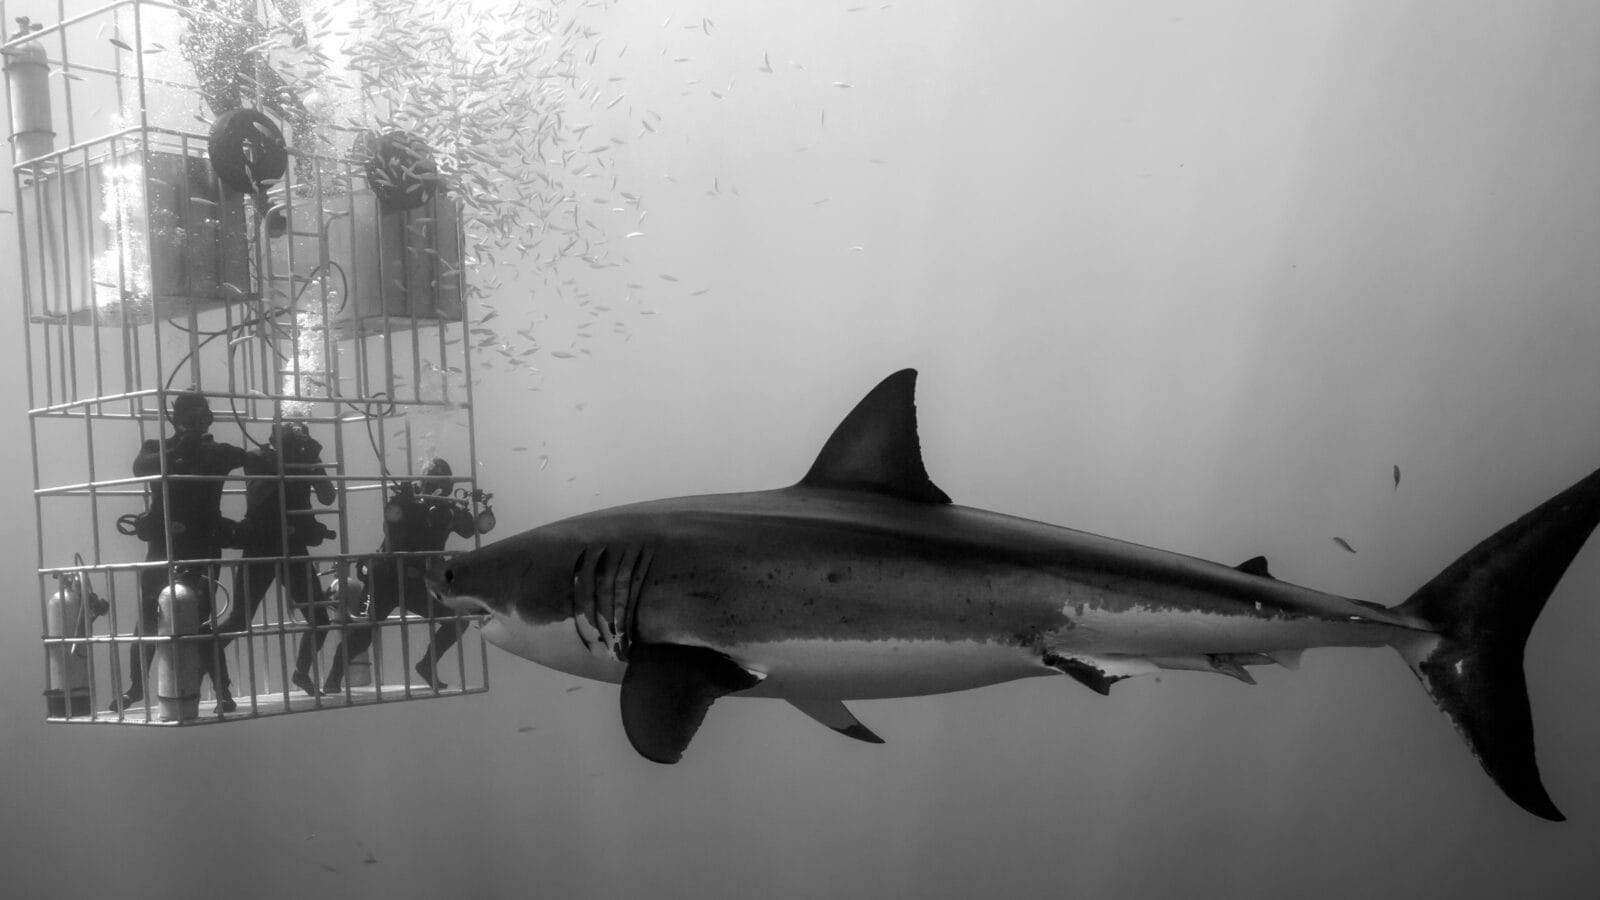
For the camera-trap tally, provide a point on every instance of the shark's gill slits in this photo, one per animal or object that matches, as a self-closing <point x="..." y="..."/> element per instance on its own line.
<point x="621" y="588"/>
<point x="582" y="591"/>
<point x="630" y="624"/>
<point x="606" y="587"/>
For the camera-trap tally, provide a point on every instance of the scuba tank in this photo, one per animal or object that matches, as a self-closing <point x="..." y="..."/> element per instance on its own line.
<point x="68" y="613"/>
<point x="33" y="132"/>
<point x="349" y="596"/>
<point x="177" y="663"/>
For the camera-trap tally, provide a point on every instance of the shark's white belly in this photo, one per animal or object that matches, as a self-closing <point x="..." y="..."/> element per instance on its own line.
<point x="835" y="669"/>
<point x="555" y="645"/>
<point x="862" y="670"/>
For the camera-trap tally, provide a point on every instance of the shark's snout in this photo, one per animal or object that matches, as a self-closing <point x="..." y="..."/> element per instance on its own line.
<point x="442" y="583"/>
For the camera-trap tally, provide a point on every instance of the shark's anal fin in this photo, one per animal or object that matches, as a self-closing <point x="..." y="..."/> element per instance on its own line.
<point x="876" y="449"/>
<point x="1233" y="664"/>
<point x="1255" y="565"/>
<point x="833" y="714"/>
<point x="666" y="692"/>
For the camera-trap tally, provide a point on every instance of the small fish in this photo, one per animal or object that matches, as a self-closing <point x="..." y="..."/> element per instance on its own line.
<point x="1344" y="543"/>
<point x="841" y="84"/>
<point x="1397" y="478"/>
<point x="576" y="687"/>
<point x="519" y="449"/>
<point x="122" y="44"/>
<point x="525" y="729"/>
<point x="766" y="63"/>
<point x="327" y="868"/>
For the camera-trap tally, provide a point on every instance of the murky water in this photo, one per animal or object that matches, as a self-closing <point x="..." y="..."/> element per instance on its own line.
<point x="1199" y="279"/>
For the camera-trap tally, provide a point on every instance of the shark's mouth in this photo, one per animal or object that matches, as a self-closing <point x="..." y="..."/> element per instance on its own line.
<point x="462" y="604"/>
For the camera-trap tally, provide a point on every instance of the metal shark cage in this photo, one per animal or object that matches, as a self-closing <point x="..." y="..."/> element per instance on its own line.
<point x="305" y="308"/>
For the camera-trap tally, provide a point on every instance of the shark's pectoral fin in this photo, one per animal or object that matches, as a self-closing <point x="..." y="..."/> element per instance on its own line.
<point x="666" y="692"/>
<point x="1099" y="673"/>
<point x="833" y="714"/>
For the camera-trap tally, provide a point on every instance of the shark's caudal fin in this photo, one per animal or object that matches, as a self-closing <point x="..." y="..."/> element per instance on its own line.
<point x="1484" y="605"/>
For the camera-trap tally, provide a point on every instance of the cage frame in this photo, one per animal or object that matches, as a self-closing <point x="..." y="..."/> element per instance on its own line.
<point x="142" y="404"/>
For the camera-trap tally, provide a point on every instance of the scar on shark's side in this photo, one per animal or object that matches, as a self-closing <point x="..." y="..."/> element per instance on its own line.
<point x="863" y="580"/>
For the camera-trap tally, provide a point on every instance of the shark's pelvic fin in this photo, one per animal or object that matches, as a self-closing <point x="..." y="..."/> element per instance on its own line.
<point x="1097" y="673"/>
<point x="833" y="714"/>
<point x="666" y="692"/>
<point x="1255" y="565"/>
<point x="876" y="449"/>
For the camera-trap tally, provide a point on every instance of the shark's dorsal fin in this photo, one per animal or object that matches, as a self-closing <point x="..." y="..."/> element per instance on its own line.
<point x="666" y="692"/>
<point x="876" y="449"/>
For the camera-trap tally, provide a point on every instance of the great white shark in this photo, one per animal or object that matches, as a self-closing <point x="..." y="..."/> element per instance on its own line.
<point x="864" y="581"/>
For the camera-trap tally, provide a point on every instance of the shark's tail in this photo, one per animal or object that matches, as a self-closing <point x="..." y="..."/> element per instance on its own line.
<point x="1483" y="607"/>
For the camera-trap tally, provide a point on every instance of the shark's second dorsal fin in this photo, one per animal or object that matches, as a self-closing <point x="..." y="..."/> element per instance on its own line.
<point x="1255" y="565"/>
<point x="876" y="449"/>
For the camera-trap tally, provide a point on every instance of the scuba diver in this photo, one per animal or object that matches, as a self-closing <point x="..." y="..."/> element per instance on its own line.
<point x="278" y="522"/>
<point x="418" y="518"/>
<point x="188" y="511"/>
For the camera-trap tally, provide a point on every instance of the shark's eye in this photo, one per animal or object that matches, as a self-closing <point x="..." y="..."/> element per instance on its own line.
<point x="449" y="575"/>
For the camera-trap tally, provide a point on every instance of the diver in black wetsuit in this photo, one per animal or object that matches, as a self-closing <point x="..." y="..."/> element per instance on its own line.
<point x="417" y="518"/>
<point x="275" y="506"/>
<point x="193" y="520"/>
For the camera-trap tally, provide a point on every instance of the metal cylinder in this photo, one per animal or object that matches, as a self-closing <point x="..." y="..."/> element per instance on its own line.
<point x="33" y="132"/>
<point x="359" y="672"/>
<point x="350" y="596"/>
<point x="69" y="663"/>
<point x="177" y="663"/>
